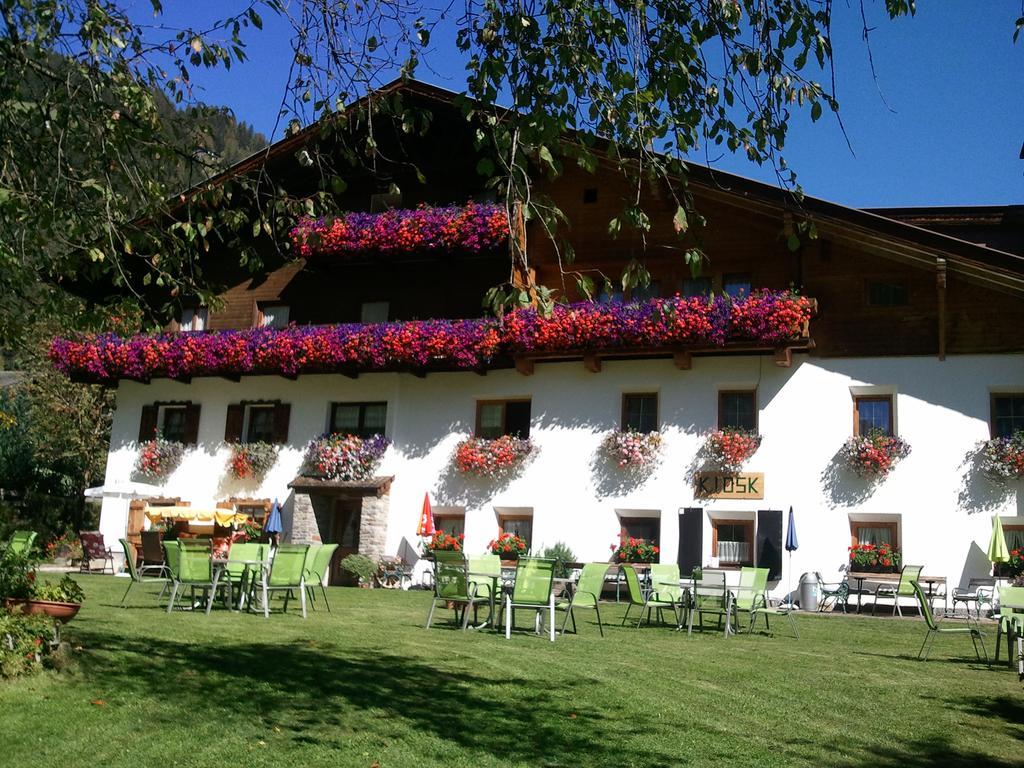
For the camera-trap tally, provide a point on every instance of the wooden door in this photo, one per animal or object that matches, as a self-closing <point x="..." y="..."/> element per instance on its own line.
<point x="345" y="533"/>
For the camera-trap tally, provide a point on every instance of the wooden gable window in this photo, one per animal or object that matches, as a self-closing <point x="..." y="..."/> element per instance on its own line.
<point x="872" y="413"/>
<point x="360" y="419"/>
<point x="177" y="422"/>
<point x="640" y="412"/>
<point x="495" y="418"/>
<point x="257" y="422"/>
<point x="886" y="293"/>
<point x="1007" y="414"/>
<point x="273" y="315"/>
<point x="732" y="542"/>
<point x="737" y="410"/>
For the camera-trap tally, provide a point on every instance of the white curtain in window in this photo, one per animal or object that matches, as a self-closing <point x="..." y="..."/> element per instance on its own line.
<point x="1014" y="537"/>
<point x="275" y="316"/>
<point x="193" y="319"/>
<point x="734" y="551"/>
<point x="868" y="535"/>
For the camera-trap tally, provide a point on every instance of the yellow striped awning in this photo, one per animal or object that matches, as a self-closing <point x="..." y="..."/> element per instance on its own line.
<point x="223" y="517"/>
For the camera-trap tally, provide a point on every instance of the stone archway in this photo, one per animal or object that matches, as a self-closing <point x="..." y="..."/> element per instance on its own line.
<point x="314" y="509"/>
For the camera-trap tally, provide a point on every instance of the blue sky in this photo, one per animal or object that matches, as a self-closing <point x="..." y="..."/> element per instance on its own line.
<point x="952" y="76"/>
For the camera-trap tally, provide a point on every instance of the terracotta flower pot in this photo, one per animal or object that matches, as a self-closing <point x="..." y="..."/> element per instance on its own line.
<point x="62" y="612"/>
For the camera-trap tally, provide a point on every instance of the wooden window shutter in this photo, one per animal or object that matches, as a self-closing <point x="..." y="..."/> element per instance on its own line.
<point x="192" y="424"/>
<point x="147" y="424"/>
<point x="769" y="542"/>
<point x="691" y="540"/>
<point x="233" y="423"/>
<point x="282" y="414"/>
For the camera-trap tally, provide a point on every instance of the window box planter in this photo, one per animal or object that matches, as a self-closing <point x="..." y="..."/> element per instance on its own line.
<point x="336" y="456"/>
<point x="631" y="551"/>
<point x="632" y="450"/>
<point x="868" y="558"/>
<point x="1002" y="458"/>
<point x="251" y="460"/>
<point x="491" y="458"/>
<point x="729" y="449"/>
<point x="158" y="458"/>
<point x="874" y="455"/>
<point x="509" y="547"/>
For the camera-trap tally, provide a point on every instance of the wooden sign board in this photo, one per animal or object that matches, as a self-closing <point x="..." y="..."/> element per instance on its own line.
<point x="729" y="485"/>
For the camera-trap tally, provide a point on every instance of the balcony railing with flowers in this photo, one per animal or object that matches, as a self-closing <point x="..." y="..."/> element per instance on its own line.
<point x="471" y="228"/>
<point x="765" y="320"/>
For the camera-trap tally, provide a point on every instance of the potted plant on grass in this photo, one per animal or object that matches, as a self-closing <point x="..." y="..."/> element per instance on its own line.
<point x="22" y="590"/>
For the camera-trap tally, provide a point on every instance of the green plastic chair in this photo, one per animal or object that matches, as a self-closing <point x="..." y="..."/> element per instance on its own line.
<point x="452" y="587"/>
<point x="237" y="572"/>
<point x="534" y="578"/>
<point x="587" y="594"/>
<point x="193" y="570"/>
<point x="1011" y="622"/>
<point x="659" y="598"/>
<point x="908" y="575"/>
<point x="749" y="594"/>
<point x="488" y="565"/>
<point x="21" y="542"/>
<point x="139" y="574"/>
<point x="933" y="630"/>
<point x="710" y="595"/>
<point x="319" y="565"/>
<point x="287" y="574"/>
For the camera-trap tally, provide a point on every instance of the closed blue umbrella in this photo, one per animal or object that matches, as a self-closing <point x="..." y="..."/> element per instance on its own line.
<point x="791" y="546"/>
<point x="273" y="525"/>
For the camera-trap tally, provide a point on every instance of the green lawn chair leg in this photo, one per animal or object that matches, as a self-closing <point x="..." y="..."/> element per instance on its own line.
<point x="131" y="583"/>
<point x="323" y="590"/>
<point x="600" y="626"/>
<point x="174" y="595"/>
<point x="430" y="613"/>
<point x="627" y="615"/>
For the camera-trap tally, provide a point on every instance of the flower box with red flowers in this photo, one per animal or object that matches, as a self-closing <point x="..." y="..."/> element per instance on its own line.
<point x="633" y="550"/>
<point x="444" y="542"/>
<point x="875" y="454"/>
<point x="158" y="458"/>
<point x="251" y="460"/>
<point x="1002" y="458"/>
<point x="508" y="546"/>
<point x="470" y="228"/>
<point x="872" y="558"/>
<point x="490" y="458"/>
<point x="730" y="448"/>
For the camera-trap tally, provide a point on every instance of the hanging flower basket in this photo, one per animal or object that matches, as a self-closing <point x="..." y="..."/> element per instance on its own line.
<point x="490" y="458"/>
<point x="875" y="454"/>
<point x="336" y="456"/>
<point x="730" y="448"/>
<point x="251" y="460"/>
<point x="158" y="458"/>
<point x="508" y="546"/>
<point x="633" y="550"/>
<point x="633" y="450"/>
<point x="1002" y="458"/>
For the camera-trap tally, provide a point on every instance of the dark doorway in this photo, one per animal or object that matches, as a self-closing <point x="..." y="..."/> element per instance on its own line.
<point x="345" y="533"/>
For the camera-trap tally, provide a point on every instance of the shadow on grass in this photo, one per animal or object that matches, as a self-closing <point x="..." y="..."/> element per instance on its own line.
<point x="924" y="753"/>
<point x="315" y="688"/>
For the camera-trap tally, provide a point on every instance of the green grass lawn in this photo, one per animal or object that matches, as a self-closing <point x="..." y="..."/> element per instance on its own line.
<point x="367" y="686"/>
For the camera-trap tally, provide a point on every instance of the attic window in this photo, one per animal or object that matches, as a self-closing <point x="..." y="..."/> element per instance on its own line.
<point x="887" y="293"/>
<point x="590" y="195"/>
<point x="384" y="201"/>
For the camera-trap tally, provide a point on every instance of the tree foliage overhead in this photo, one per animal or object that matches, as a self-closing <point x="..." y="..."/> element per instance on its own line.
<point x="90" y="173"/>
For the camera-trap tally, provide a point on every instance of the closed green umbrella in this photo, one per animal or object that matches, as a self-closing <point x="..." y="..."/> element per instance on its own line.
<point x="997" y="549"/>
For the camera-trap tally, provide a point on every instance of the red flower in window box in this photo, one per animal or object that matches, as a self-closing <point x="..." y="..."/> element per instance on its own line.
<point x="251" y="460"/>
<point x="634" y="550"/>
<point x="490" y="458"/>
<point x="730" y="448"/>
<point x="508" y="546"/>
<point x="158" y="458"/>
<point x="443" y="542"/>
<point x="880" y="559"/>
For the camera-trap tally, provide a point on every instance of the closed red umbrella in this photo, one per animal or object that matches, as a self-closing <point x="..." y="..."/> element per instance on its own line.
<point x="426" y="526"/>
